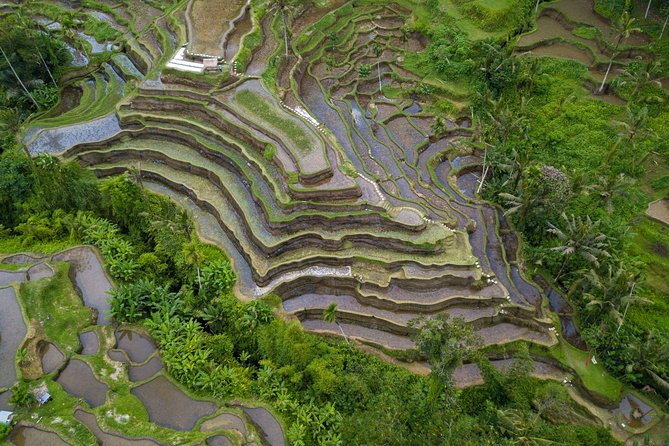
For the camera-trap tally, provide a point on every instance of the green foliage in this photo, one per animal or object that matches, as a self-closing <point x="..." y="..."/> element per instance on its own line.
<point x="585" y="32"/>
<point x="21" y="395"/>
<point x="364" y="71"/>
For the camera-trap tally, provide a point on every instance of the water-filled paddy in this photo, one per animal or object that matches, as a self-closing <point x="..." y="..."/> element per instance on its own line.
<point x="33" y="436"/>
<point x="51" y="356"/>
<point x="12" y="332"/>
<point x="137" y="346"/>
<point x="78" y="379"/>
<point x="268" y="425"/>
<point x="89" y="342"/>
<point x="89" y="278"/>
<point x="168" y="406"/>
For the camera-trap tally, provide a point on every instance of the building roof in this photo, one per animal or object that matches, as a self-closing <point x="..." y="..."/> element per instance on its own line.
<point x="6" y="417"/>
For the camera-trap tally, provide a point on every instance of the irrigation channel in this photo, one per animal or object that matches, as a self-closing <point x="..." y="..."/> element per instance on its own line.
<point x="323" y="187"/>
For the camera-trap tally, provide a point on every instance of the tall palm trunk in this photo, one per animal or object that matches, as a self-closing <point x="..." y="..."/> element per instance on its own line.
<point x="342" y="333"/>
<point x="378" y="68"/>
<point x="645" y="16"/>
<point x="536" y="8"/>
<point x="608" y="69"/>
<point x="47" y="68"/>
<point x="18" y="78"/>
<point x="285" y="30"/>
<point x="664" y="26"/>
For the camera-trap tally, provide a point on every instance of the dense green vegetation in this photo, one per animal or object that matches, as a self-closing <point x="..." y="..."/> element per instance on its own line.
<point x="572" y="172"/>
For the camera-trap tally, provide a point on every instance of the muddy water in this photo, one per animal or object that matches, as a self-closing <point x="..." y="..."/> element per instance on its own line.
<point x="137" y="347"/>
<point x="40" y="271"/>
<point x="564" y="50"/>
<point x="90" y="279"/>
<point x="59" y="139"/>
<point x="218" y="440"/>
<point x="19" y="259"/>
<point x="635" y="412"/>
<point x="234" y="39"/>
<point x="89" y="341"/>
<point x="33" y="436"/>
<point x="9" y="277"/>
<point x="52" y="358"/>
<point x="138" y="373"/>
<point x="170" y="407"/>
<point x="227" y="421"/>
<point x="129" y="67"/>
<point x="109" y="439"/>
<point x="77" y="379"/>
<point x="4" y="400"/>
<point x="268" y="425"/>
<point x="12" y="332"/>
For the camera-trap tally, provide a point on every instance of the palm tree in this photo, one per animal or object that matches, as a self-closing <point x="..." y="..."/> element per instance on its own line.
<point x="645" y="16"/>
<point x="611" y="290"/>
<point x="378" y="50"/>
<point x="640" y="79"/>
<point x="285" y="7"/>
<point x="194" y="257"/>
<point x="23" y="86"/>
<point x="609" y="186"/>
<point x="579" y="238"/>
<point x="10" y="120"/>
<point x="330" y="316"/>
<point x="38" y="40"/>
<point x="634" y="125"/>
<point x="623" y="27"/>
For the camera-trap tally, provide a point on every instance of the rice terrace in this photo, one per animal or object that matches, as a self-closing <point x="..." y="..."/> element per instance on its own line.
<point x="334" y="222"/>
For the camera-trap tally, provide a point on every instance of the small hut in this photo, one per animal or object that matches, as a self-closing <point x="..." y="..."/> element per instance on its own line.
<point x="6" y="417"/>
<point x="42" y="395"/>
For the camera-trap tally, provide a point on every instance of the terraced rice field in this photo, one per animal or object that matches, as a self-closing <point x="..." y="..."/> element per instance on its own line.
<point x="319" y="185"/>
<point x="571" y="29"/>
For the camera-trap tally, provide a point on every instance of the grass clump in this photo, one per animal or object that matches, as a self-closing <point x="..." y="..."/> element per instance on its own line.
<point x="56" y="305"/>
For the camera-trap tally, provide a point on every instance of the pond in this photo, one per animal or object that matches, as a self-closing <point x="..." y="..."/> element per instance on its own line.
<point x="143" y="372"/>
<point x="168" y="406"/>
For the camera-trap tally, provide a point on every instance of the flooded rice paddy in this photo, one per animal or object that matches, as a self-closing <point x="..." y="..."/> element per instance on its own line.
<point x="168" y="406"/>
<point x="78" y="379"/>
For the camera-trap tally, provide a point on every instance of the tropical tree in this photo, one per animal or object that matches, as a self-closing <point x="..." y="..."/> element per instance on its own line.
<point x="364" y="71"/>
<point x="640" y="78"/>
<point x="520" y="426"/>
<point x="330" y="316"/>
<point x="446" y="343"/>
<point x="611" y="290"/>
<point x="623" y="28"/>
<point x="610" y="186"/>
<point x="18" y="79"/>
<point x="578" y="237"/>
<point x="378" y="50"/>
<point x="285" y="7"/>
<point x="194" y="257"/>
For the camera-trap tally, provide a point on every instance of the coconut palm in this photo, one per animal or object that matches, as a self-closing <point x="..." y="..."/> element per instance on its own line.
<point x="10" y="120"/>
<point x="610" y="186"/>
<point x="612" y="290"/>
<point x="645" y="16"/>
<point x="640" y="79"/>
<point x="378" y="50"/>
<point x="286" y="7"/>
<point x="623" y="27"/>
<point x="634" y="125"/>
<point x="23" y="86"/>
<point x="330" y="316"/>
<point x="579" y="237"/>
